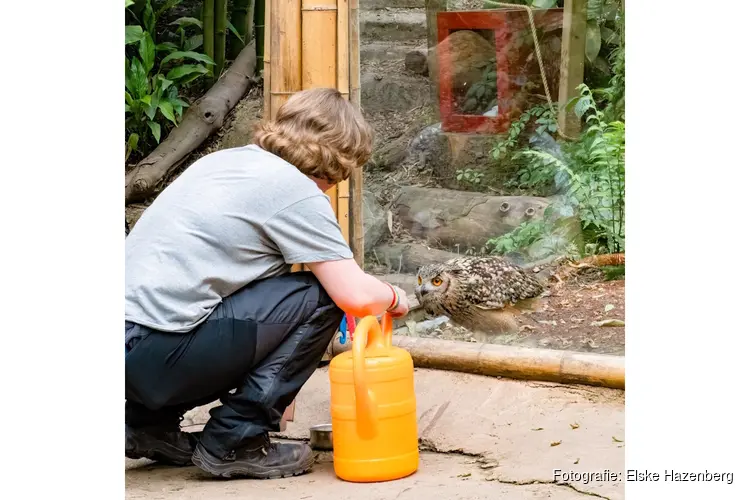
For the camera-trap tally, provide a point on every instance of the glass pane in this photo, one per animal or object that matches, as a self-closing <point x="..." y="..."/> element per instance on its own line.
<point x="499" y="139"/>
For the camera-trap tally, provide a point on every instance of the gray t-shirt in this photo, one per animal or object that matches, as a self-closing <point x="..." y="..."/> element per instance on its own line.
<point x="233" y="217"/>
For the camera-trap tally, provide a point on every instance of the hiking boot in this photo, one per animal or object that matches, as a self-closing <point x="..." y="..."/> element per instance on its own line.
<point x="163" y="445"/>
<point x="261" y="459"/>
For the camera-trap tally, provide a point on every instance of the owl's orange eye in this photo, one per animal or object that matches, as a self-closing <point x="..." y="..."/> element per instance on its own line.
<point x="419" y="280"/>
<point x="437" y="282"/>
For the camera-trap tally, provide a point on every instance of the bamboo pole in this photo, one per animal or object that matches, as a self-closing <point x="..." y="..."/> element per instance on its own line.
<point x="522" y="363"/>
<point x="265" y="52"/>
<point x="319" y="43"/>
<point x="208" y="31"/>
<point x="242" y="20"/>
<point x="356" y="181"/>
<point x="342" y="84"/>
<point x="220" y="36"/>
<point x="261" y="38"/>
<point x="285" y="25"/>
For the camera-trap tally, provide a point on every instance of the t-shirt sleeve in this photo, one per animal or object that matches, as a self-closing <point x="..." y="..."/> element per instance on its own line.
<point x="307" y="231"/>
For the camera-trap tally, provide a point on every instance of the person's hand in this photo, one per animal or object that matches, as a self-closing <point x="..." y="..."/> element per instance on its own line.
<point x="402" y="309"/>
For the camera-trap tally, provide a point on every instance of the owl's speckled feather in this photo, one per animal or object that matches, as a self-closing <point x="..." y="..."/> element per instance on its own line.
<point x="479" y="293"/>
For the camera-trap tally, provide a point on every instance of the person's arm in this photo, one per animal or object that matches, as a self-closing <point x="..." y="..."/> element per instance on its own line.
<point x="307" y="232"/>
<point x="356" y="292"/>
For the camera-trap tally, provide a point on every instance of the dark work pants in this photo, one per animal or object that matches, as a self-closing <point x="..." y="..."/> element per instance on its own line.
<point x="262" y="343"/>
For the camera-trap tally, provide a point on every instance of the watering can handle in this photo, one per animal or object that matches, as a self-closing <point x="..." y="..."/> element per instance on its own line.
<point x="367" y="334"/>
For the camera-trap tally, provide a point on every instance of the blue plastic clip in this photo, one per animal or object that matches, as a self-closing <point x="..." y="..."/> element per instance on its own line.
<point x="342" y="331"/>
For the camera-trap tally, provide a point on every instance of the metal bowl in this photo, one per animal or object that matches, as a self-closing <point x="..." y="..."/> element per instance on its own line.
<point x="321" y="437"/>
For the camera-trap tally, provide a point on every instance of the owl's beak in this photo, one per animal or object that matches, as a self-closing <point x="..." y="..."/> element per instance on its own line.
<point x="418" y="293"/>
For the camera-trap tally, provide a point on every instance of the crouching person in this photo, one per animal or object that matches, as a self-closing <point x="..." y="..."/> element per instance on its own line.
<point x="212" y="310"/>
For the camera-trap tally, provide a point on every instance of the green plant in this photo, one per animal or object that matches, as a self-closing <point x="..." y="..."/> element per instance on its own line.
<point x="152" y="100"/>
<point x="544" y="119"/>
<point x="591" y="173"/>
<point x="469" y="176"/>
<point x="523" y="236"/>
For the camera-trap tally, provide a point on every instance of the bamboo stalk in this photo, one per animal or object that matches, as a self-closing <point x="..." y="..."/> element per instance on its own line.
<point x="512" y="362"/>
<point x="220" y="35"/>
<point x="356" y="181"/>
<point x="262" y="19"/>
<point x="265" y="52"/>
<point x="342" y="47"/>
<point x="285" y="51"/>
<point x="318" y="43"/>
<point x="208" y="31"/>
<point x="242" y="19"/>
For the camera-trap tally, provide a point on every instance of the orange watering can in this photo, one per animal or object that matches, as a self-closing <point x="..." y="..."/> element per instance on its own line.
<point x="373" y="407"/>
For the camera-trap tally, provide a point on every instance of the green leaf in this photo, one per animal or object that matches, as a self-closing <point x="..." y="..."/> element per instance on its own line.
<point x="166" y="109"/>
<point x="193" y="42"/>
<point x="133" y="34"/>
<point x="146" y="99"/>
<point x="236" y="33"/>
<point x="608" y="36"/>
<point x="594" y="9"/>
<point x="593" y="40"/>
<point x="545" y="4"/>
<point x="132" y="144"/>
<point x="166" y="6"/>
<point x="167" y="47"/>
<point x="186" y="21"/>
<point x="149" y="19"/>
<point x="187" y="70"/>
<point x="136" y="80"/>
<point x="155" y="130"/>
<point x="147" y="51"/>
<point x="162" y="83"/>
<point x="196" y="56"/>
<point x="128" y="3"/>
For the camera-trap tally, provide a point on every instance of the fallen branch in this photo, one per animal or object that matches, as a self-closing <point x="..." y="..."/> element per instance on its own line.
<point x="523" y="363"/>
<point x="202" y="119"/>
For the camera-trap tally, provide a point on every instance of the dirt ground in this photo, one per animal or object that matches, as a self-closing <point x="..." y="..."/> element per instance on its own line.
<point x="568" y="320"/>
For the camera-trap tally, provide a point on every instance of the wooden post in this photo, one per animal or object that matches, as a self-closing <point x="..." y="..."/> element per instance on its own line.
<point x="571" y="63"/>
<point x="432" y="7"/>
<point x="266" y="59"/>
<point x="309" y="45"/>
<point x="356" y="183"/>
<point x="283" y="74"/>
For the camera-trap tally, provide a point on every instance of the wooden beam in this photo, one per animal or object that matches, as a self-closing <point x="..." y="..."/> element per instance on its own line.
<point x="432" y="7"/>
<point x="571" y="64"/>
<point x="357" y="231"/>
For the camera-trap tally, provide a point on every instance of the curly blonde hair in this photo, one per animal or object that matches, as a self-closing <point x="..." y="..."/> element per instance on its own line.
<point x="320" y="132"/>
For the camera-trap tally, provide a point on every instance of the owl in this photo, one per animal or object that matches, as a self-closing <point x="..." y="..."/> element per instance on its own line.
<point x="482" y="294"/>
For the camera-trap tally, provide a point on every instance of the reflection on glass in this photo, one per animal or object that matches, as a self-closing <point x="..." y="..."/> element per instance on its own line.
<point x="519" y="154"/>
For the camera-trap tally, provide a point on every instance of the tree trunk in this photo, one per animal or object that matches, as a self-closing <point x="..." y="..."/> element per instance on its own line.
<point x="204" y="117"/>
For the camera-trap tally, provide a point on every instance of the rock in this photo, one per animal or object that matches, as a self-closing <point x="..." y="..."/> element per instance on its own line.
<point x="409" y="257"/>
<point x="469" y="53"/>
<point x="375" y="221"/>
<point x="416" y="62"/>
<point x="463" y="220"/>
<point x="445" y="153"/>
